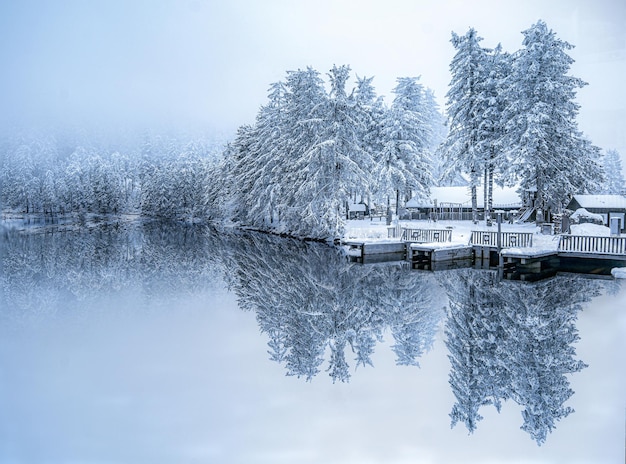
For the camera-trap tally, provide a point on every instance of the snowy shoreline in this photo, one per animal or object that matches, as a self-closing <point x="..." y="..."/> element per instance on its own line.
<point x="367" y="230"/>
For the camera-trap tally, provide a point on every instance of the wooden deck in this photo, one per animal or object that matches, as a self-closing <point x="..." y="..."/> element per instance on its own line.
<point x="431" y="249"/>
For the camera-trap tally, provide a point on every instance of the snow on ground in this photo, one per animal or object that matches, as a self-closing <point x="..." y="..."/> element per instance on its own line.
<point x="590" y="229"/>
<point x="461" y="230"/>
<point x="583" y="213"/>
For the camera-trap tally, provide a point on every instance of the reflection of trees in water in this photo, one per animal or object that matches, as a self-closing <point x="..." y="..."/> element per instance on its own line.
<point x="308" y="299"/>
<point x="506" y="340"/>
<point x="38" y="270"/>
<point x="512" y="340"/>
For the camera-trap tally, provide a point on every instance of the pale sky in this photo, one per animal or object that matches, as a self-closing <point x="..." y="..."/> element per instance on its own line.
<point x="208" y="63"/>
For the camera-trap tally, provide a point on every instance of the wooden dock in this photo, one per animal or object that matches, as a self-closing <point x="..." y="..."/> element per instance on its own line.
<point x="511" y="252"/>
<point x="376" y="252"/>
<point x="425" y="256"/>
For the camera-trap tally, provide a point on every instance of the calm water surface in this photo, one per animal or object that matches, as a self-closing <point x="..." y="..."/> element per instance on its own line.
<point x="173" y="344"/>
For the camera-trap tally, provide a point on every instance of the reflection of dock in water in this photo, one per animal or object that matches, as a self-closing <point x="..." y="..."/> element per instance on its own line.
<point x="511" y="252"/>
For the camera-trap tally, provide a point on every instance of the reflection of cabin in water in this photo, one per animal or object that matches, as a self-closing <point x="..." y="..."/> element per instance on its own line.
<point x="607" y="206"/>
<point x="455" y="203"/>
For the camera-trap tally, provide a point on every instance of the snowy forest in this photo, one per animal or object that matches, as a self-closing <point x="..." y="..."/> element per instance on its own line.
<point x="319" y="144"/>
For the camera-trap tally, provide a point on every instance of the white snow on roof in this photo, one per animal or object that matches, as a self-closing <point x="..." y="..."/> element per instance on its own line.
<point x="601" y="201"/>
<point x="502" y="197"/>
<point x="356" y="207"/>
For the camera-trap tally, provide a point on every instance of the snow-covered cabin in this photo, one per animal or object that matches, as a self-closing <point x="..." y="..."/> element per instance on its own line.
<point x="357" y="210"/>
<point x="607" y="206"/>
<point x="456" y="202"/>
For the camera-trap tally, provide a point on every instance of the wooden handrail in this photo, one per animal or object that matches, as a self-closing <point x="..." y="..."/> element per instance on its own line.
<point x="507" y="239"/>
<point x="427" y="235"/>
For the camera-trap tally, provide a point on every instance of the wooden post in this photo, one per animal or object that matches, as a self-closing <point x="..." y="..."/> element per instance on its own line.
<point x="499" y="232"/>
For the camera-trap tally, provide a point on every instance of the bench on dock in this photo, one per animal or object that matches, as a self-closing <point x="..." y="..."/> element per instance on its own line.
<point x="592" y="244"/>
<point x="488" y="238"/>
<point x="426" y="235"/>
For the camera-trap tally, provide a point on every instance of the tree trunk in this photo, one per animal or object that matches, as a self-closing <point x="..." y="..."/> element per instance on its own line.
<point x="397" y="202"/>
<point x="540" y="200"/>
<point x="490" y="196"/>
<point x="474" y="181"/>
<point x="485" y="192"/>
<point x="474" y="205"/>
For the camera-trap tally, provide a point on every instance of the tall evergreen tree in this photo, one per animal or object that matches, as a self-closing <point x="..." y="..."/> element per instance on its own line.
<point x="612" y="164"/>
<point x="492" y="103"/>
<point x="371" y="112"/>
<point x="328" y="170"/>
<point x="465" y="98"/>
<point x="404" y="165"/>
<point x="548" y="151"/>
<point x="438" y="132"/>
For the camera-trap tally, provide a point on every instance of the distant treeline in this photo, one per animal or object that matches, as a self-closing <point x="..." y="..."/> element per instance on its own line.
<point x="310" y="152"/>
<point x="160" y="176"/>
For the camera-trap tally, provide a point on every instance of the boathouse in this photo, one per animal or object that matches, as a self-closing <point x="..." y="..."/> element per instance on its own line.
<point x="607" y="206"/>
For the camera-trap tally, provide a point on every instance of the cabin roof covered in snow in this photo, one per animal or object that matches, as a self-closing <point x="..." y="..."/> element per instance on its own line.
<point x="502" y="197"/>
<point x="356" y="207"/>
<point x="601" y="201"/>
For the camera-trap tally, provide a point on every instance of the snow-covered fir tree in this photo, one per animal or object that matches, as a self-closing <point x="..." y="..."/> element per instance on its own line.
<point x="329" y="169"/>
<point x="547" y="150"/>
<point x="462" y="148"/>
<point x="371" y="110"/>
<point x="614" y="177"/>
<point x="492" y="104"/>
<point x="438" y="132"/>
<point x="403" y="166"/>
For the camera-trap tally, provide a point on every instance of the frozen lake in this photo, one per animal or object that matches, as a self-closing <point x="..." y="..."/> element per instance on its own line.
<point x="166" y="344"/>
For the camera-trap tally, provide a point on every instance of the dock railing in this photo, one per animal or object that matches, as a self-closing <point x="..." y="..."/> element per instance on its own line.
<point x="592" y="244"/>
<point x="426" y="235"/>
<point x="507" y="239"/>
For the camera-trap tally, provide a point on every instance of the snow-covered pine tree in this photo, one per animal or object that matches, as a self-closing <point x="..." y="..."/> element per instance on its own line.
<point x="404" y="164"/>
<point x="462" y="148"/>
<point x="491" y="108"/>
<point x="438" y="132"/>
<point x="548" y="151"/>
<point x="242" y="152"/>
<point x="370" y="109"/>
<point x="612" y="164"/>
<point x="328" y="170"/>
<point x="267" y="168"/>
<point x="304" y="100"/>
